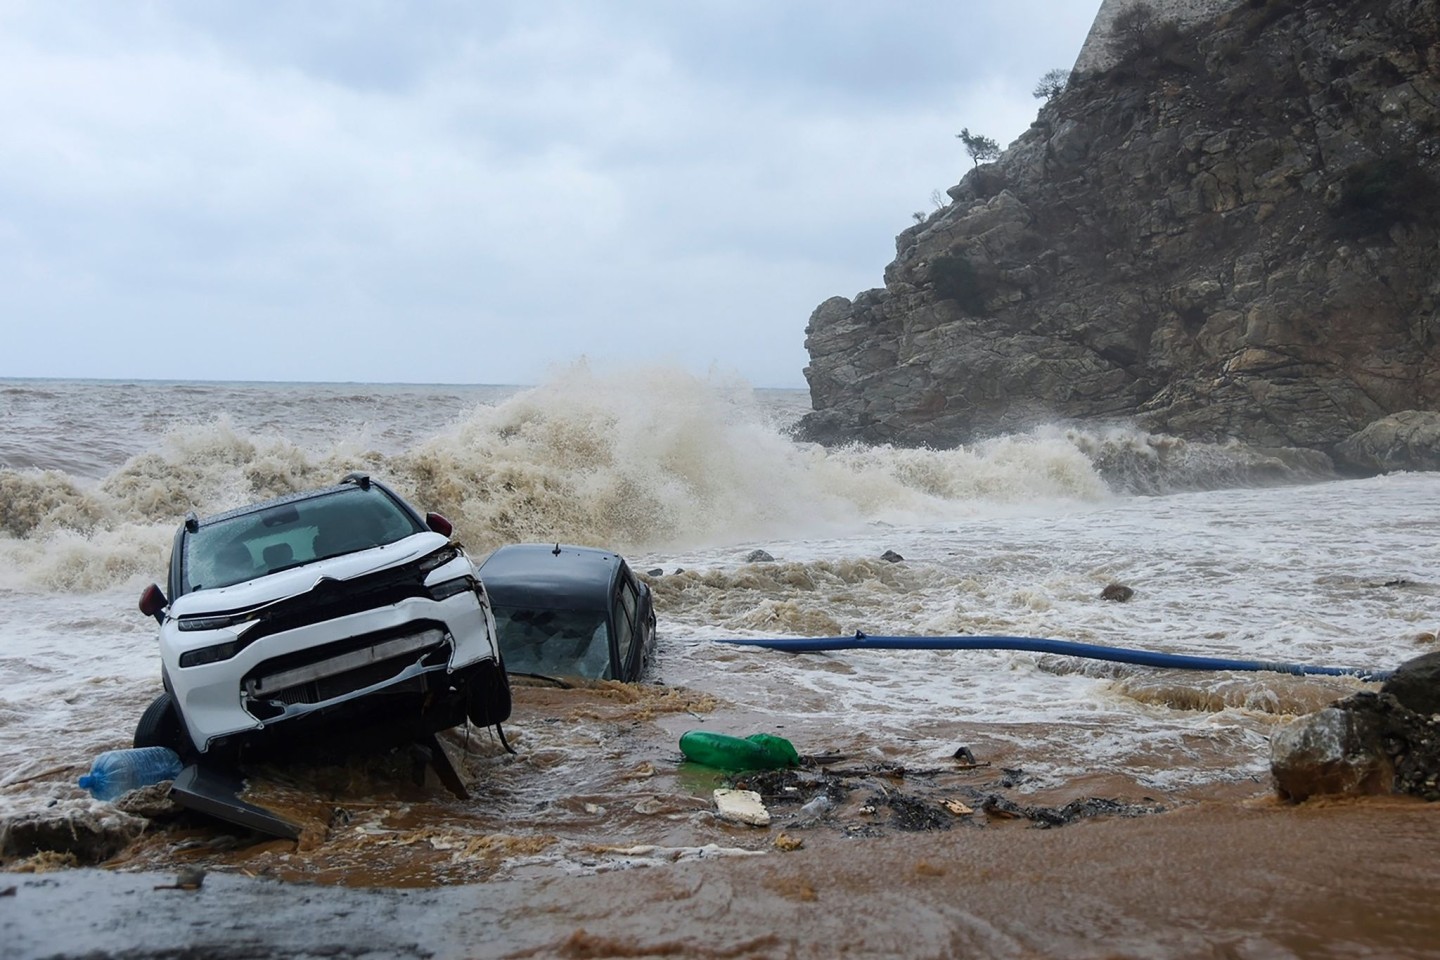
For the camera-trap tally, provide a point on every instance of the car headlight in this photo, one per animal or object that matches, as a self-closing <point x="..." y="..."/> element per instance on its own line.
<point x="220" y="651"/>
<point x="438" y="559"/>
<point x="219" y="622"/>
<point x="448" y="588"/>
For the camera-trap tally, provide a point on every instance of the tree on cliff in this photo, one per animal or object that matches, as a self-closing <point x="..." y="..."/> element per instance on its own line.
<point x="979" y="148"/>
<point x="1052" y="84"/>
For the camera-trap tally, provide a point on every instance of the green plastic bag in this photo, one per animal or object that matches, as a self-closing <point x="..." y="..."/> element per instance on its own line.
<point x="759" y="751"/>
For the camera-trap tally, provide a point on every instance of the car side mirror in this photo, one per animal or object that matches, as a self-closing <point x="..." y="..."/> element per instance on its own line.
<point x="439" y="524"/>
<point x="153" y="602"/>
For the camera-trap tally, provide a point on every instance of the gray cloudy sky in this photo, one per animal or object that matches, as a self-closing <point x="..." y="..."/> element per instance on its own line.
<point x="471" y="191"/>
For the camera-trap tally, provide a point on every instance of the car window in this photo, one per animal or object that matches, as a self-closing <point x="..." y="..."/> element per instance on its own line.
<point x="237" y="548"/>
<point x="554" y="643"/>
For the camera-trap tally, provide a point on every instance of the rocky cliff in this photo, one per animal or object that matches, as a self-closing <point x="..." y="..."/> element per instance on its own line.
<point x="1231" y="231"/>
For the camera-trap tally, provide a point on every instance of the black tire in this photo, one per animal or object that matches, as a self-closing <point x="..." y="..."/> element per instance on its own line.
<point x="160" y="726"/>
<point x="490" y="695"/>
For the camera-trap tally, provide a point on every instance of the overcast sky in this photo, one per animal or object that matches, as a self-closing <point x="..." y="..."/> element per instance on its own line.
<point x="466" y="191"/>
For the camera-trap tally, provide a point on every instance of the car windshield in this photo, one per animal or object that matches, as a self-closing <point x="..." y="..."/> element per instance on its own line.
<point x="236" y="548"/>
<point x="554" y="643"/>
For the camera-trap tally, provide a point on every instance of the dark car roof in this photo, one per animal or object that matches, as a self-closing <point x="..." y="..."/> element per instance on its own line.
<point x="557" y="576"/>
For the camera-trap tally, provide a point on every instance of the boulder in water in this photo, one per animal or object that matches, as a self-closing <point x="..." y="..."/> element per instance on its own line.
<point x="1369" y="743"/>
<point x="1336" y="750"/>
<point x="1416" y="685"/>
<point x="1409" y="440"/>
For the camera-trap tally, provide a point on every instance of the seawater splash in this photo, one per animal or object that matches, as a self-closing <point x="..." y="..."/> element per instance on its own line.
<point x="653" y="459"/>
<point x="668" y="459"/>
<point x="1133" y="461"/>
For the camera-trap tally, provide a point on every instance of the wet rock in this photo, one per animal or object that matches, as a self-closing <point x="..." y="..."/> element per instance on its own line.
<point x="1117" y="592"/>
<point x="758" y="556"/>
<point x="89" y="836"/>
<point x="655" y="572"/>
<point x="1415" y="684"/>
<point x="1369" y="743"/>
<point x="1332" y="751"/>
<point x="151" y="802"/>
<point x="1409" y="440"/>
<point x="890" y="556"/>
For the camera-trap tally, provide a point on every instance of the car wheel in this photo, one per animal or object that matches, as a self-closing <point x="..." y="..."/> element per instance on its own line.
<point x="160" y="726"/>
<point x="490" y="695"/>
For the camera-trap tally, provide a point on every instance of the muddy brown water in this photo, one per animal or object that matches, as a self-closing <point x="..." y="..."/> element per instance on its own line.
<point x="595" y="840"/>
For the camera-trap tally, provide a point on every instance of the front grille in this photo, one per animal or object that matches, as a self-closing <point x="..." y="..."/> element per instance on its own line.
<point x="330" y="599"/>
<point x="337" y="669"/>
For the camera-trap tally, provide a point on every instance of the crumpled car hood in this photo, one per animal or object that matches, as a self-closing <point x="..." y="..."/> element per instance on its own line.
<point x="290" y="583"/>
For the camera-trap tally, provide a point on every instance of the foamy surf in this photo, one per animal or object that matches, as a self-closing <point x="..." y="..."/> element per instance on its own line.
<point x="652" y="459"/>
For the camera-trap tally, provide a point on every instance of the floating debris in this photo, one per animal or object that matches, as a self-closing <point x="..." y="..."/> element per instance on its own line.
<point x="741" y="806"/>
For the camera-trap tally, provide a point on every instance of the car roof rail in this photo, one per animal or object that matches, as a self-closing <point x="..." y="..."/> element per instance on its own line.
<point x="355" y="476"/>
<point x="192" y="522"/>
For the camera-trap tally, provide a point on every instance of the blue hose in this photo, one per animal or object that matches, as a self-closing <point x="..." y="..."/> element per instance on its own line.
<point x="1069" y="648"/>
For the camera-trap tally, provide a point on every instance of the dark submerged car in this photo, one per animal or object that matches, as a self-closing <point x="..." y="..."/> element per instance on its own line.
<point x="567" y="611"/>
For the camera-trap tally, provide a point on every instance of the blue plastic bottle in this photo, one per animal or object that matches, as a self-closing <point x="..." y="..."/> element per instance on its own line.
<point x="117" y="772"/>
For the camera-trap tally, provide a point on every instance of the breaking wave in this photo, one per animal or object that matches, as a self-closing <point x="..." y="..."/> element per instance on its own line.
<point x="1134" y="462"/>
<point x="649" y="460"/>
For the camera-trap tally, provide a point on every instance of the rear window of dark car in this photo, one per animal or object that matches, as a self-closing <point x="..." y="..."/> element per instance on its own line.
<point x="554" y="643"/>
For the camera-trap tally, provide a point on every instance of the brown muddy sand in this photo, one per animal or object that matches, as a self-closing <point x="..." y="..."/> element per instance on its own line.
<point x="1256" y="880"/>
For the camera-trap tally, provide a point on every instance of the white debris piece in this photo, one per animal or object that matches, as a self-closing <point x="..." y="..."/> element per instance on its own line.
<point x="742" y="806"/>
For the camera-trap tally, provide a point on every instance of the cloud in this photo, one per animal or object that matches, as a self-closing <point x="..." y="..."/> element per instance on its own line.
<point x="474" y="191"/>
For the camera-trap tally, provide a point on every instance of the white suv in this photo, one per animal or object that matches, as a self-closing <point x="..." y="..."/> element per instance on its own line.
<point x="340" y="613"/>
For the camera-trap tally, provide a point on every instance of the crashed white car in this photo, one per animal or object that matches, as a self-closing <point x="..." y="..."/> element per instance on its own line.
<point x="340" y="614"/>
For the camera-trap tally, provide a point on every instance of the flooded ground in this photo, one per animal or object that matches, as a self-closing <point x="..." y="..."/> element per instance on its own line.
<point x="595" y="839"/>
<point x="597" y="783"/>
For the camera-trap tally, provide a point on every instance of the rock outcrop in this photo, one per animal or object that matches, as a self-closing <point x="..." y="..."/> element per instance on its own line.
<point x="1402" y="441"/>
<point x="1232" y="233"/>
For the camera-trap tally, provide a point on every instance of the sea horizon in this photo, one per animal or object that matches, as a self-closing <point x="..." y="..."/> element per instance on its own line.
<point x="163" y="381"/>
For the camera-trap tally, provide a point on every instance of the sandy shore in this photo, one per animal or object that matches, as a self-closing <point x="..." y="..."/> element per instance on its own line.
<point x="1256" y="880"/>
